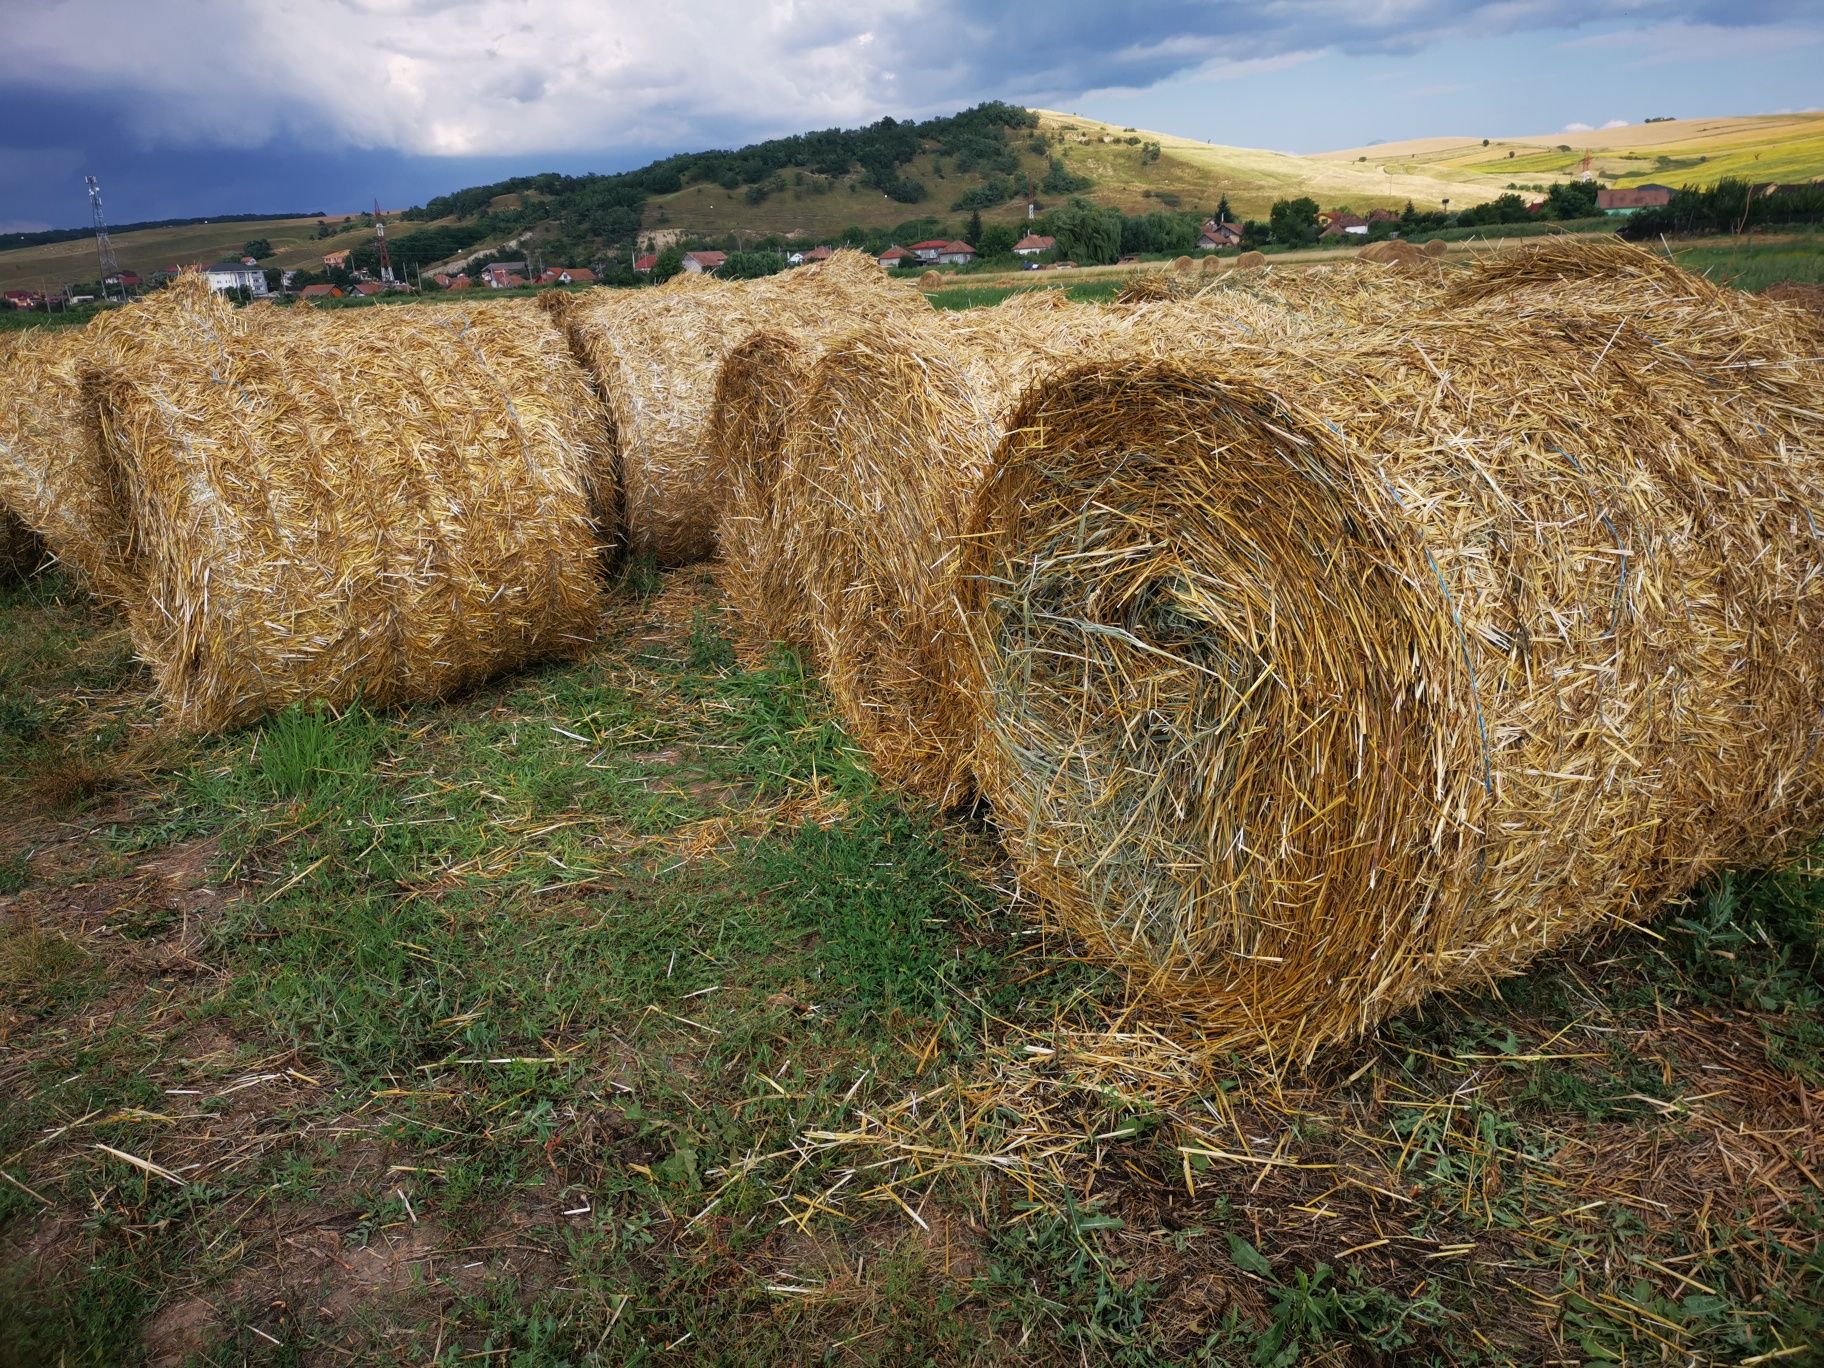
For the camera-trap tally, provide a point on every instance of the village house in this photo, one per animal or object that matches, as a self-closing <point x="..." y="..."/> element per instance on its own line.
<point x="1633" y="199"/>
<point x="367" y="289"/>
<point x="233" y="275"/>
<point x="320" y="292"/>
<point x="22" y="299"/>
<point x="642" y="265"/>
<point x="336" y="261"/>
<point x="1034" y="243"/>
<point x="896" y="256"/>
<point x="1339" y="224"/>
<point x="816" y="254"/>
<point x="126" y="280"/>
<point x="1216" y="235"/>
<point x="936" y="251"/>
<point x="704" y="263"/>
<point x="567" y="275"/>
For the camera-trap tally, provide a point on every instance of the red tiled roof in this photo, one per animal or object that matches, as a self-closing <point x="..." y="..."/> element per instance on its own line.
<point x="320" y="292"/>
<point x="894" y="254"/>
<point x="819" y="254"/>
<point x="707" y="260"/>
<point x="647" y="262"/>
<point x="928" y="245"/>
<point x="369" y="287"/>
<point x="1035" y="242"/>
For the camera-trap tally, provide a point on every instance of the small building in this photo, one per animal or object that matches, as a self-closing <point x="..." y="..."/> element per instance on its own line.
<point x="704" y="263"/>
<point x="642" y="265"/>
<point x="22" y="299"/>
<point x="1214" y="235"/>
<point x="567" y="275"/>
<point x="1034" y="243"/>
<point x="1344" y="225"/>
<point x="367" y="289"/>
<point x="1633" y="199"/>
<point x="460" y="281"/>
<point x="896" y="256"/>
<point x="336" y="261"/>
<point x="809" y="258"/>
<point x="320" y="292"/>
<point x="232" y="275"/>
<point x="939" y="251"/>
<point x="126" y="280"/>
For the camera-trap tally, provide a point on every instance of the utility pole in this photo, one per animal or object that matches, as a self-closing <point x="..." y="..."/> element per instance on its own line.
<point x="110" y="265"/>
<point x="386" y="257"/>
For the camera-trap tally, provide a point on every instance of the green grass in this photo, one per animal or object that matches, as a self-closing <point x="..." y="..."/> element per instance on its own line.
<point x="1754" y="263"/>
<point x="501" y="1030"/>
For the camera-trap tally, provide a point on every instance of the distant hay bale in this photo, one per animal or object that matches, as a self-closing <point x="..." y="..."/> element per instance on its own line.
<point x="1392" y="252"/>
<point x="1213" y="265"/>
<point x="383" y="505"/>
<point x="1313" y="679"/>
<point x="1436" y="247"/>
<point x="655" y="356"/>
<point x="1247" y="261"/>
<point x="1183" y="263"/>
<point x="930" y="280"/>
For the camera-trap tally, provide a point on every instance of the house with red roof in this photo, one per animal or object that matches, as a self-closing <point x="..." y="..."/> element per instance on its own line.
<point x="22" y="299"/>
<point x="642" y="265"/>
<point x="816" y="254"/>
<point x="704" y="263"/>
<point x="367" y="289"/>
<point x="1216" y="235"/>
<point x="320" y="292"/>
<point x="1034" y="243"/>
<point x="938" y="251"/>
<point x="1341" y="224"/>
<point x="896" y="256"/>
<point x="567" y="275"/>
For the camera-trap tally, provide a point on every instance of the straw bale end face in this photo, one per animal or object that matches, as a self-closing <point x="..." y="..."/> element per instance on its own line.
<point x="1248" y="261"/>
<point x="1196" y="669"/>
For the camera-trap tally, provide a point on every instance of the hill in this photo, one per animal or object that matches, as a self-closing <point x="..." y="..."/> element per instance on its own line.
<point x="907" y="180"/>
<point x="295" y="242"/>
<point x="1697" y="152"/>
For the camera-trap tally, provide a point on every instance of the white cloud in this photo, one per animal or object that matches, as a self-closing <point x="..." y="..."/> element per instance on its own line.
<point x="1616" y="123"/>
<point x="1577" y="128"/>
<point x="519" y="77"/>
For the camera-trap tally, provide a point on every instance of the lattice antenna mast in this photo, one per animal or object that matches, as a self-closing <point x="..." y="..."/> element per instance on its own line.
<point x="386" y="257"/>
<point x="110" y="264"/>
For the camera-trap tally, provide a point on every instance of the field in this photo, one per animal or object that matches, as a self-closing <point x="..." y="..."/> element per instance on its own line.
<point x="1762" y="147"/>
<point x="548" y="1026"/>
<point x="621" y="1009"/>
<point x="294" y="241"/>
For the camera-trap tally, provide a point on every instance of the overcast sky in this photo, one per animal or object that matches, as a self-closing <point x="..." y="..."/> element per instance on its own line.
<point x="191" y="107"/>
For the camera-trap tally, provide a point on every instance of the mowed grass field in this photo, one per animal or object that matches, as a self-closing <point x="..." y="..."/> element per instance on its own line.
<point x="1761" y="147"/>
<point x="613" y="1014"/>
<point x="294" y="241"/>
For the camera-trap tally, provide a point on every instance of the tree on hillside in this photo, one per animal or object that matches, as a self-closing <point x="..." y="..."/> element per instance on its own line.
<point x="1086" y="233"/>
<point x="670" y="262"/>
<point x="257" y="248"/>
<point x="1294" y="221"/>
<point x="996" y="239"/>
<point x="1223" y="213"/>
<point x="975" y="229"/>
<point x="1571" y="199"/>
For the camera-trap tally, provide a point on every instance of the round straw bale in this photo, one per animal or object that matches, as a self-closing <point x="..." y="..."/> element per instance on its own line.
<point x="1213" y="265"/>
<point x="883" y="450"/>
<point x="378" y="504"/>
<point x="1183" y="263"/>
<point x="1311" y="680"/>
<point x="1435" y="247"/>
<point x="1247" y="261"/>
<point x="754" y="392"/>
<point x="930" y="280"/>
<point x="655" y="356"/>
